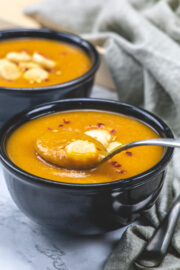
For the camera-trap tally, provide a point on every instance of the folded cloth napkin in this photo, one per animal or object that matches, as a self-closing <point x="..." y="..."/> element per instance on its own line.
<point x="141" y="41"/>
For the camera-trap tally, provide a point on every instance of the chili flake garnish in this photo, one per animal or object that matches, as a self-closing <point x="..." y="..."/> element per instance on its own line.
<point x="66" y="121"/>
<point x="61" y="125"/>
<point x="63" y="53"/>
<point x="129" y="153"/>
<point x="46" y="80"/>
<point x="113" y="131"/>
<point x="121" y="171"/>
<point x="99" y="125"/>
<point x="115" y="164"/>
<point x="50" y="128"/>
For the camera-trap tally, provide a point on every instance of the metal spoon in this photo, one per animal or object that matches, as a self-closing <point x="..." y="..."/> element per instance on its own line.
<point x="56" y="139"/>
<point x="155" y="250"/>
<point x="159" y="141"/>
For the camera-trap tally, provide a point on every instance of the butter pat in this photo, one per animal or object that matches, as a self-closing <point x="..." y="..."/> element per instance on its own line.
<point x="81" y="153"/>
<point x="41" y="60"/>
<point x="24" y="66"/>
<point x="18" y="57"/>
<point x="81" y="147"/>
<point x="102" y="136"/>
<point x="8" y="70"/>
<point x="36" y="75"/>
<point x="112" y="146"/>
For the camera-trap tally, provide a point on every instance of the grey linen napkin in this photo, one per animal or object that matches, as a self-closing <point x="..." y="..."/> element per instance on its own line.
<point x="141" y="41"/>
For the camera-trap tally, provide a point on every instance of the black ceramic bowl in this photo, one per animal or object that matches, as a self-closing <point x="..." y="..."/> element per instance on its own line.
<point x="14" y="100"/>
<point x="88" y="208"/>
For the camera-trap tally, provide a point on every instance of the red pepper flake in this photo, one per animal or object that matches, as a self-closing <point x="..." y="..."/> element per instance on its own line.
<point x="66" y="121"/>
<point x="63" y="53"/>
<point x="50" y="128"/>
<point x="46" y="80"/>
<point x="128" y="153"/>
<point x="61" y="125"/>
<point x="99" y="125"/>
<point x="113" y="131"/>
<point x="121" y="171"/>
<point x="115" y="164"/>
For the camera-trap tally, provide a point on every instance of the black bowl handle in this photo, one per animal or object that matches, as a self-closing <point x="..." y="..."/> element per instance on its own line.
<point x="155" y="250"/>
<point x="128" y="209"/>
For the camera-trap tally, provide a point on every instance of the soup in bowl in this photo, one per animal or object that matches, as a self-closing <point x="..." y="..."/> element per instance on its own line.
<point x="83" y="201"/>
<point x="47" y="133"/>
<point x="39" y="66"/>
<point x="38" y="62"/>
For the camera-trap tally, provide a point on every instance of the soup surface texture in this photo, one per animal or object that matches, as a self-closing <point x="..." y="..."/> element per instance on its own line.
<point x="40" y="62"/>
<point x="109" y="128"/>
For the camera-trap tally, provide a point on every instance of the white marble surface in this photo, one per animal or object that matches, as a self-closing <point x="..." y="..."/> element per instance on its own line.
<point x="27" y="246"/>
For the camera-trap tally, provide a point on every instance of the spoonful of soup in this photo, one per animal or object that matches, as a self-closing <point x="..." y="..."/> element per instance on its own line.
<point x="75" y="150"/>
<point x="70" y="149"/>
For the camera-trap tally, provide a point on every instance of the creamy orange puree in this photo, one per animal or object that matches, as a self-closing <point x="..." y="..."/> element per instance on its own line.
<point x="57" y="62"/>
<point x="121" y="129"/>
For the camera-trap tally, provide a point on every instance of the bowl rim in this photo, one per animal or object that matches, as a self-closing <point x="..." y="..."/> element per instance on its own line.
<point x="49" y="108"/>
<point x="75" y="39"/>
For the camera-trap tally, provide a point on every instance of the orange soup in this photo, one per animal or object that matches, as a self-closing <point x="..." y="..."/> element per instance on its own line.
<point x="40" y="62"/>
<point x="108" y="128"/>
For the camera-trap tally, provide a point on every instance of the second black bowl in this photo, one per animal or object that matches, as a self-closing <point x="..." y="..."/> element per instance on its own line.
<point x="14" y="100"/>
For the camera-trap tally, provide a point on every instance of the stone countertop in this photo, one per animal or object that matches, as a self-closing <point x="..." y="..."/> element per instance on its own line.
<point x="25" y="245"/>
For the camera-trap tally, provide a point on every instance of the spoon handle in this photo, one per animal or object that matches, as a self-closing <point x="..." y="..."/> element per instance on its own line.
<point x="158" y="141"/>
<point x="155" y="250"/>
